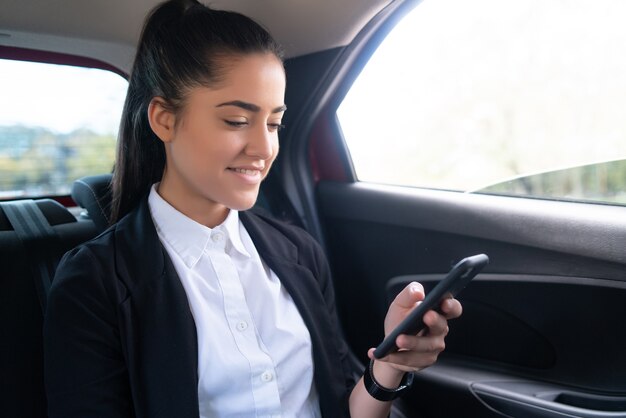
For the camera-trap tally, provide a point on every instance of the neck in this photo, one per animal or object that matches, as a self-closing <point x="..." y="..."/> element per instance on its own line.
<point x="196" y="207"/>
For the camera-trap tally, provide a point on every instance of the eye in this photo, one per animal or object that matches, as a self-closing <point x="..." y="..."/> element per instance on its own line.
<point x="235" y="123"/>
<point x="275" y="127"/>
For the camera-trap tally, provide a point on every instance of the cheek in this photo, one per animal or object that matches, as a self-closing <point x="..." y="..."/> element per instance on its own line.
<point x="190" y="149"/>
<point x="204" y="146"/>
<point x="275" y="149"/>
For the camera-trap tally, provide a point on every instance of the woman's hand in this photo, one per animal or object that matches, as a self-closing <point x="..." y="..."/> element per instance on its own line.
<point x="417" y="351"/>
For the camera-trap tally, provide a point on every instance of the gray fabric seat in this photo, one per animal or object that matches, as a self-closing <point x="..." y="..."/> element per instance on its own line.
<point x="93" y="193"/>
<point x="21" y="316"/>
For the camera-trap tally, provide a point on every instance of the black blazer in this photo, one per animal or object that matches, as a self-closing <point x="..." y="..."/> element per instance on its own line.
<point x="119" y="337"/>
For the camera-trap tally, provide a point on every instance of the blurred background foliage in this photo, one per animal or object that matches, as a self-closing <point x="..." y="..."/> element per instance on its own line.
<point x="35" y="161"/>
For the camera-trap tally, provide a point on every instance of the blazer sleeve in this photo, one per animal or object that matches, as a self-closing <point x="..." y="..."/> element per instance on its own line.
<point x="85" y="372"/>
<point x="351" y="365"/>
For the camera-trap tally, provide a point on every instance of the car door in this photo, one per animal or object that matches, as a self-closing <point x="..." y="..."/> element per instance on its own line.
<point x="541" y="334"/>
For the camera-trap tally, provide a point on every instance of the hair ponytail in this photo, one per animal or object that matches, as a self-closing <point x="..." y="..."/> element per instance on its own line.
<point x="183" y="45"/>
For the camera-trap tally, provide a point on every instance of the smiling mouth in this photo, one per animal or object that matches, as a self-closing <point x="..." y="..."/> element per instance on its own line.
<point x="245" y="171"/>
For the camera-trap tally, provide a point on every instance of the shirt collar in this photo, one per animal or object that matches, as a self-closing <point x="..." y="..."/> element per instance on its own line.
<point x="187" y="237"/>
<point x="232" y="226"/>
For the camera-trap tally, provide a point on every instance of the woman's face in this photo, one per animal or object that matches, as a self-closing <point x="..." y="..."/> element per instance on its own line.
<point x="225" y="140"/>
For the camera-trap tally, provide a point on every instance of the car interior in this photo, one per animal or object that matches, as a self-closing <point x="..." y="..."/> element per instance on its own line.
<point x="541" y="333"/>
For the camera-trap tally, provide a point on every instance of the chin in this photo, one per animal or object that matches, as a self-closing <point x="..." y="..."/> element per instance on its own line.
<point x="241" y="208"/>
<point x="243" y="203"/>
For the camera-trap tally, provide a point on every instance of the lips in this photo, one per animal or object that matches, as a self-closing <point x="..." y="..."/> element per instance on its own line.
<point x="250" y="172"/>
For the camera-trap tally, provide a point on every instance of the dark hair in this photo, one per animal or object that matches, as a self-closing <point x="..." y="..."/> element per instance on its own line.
<point x="184" y="44"/>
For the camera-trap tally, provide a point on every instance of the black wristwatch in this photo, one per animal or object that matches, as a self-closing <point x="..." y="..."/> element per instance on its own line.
<point x="380" y="392"/>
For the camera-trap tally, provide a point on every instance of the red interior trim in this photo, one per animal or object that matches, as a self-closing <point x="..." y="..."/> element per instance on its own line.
<point x="35" y="55"/>
<point x="66" y="201"/>
<point x="326" y="163"/>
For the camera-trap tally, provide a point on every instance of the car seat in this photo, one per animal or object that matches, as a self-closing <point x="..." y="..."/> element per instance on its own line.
<point x="34" y="235"/>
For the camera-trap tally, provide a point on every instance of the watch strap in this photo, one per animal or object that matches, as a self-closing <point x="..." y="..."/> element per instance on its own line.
<point x="377" y="391"/>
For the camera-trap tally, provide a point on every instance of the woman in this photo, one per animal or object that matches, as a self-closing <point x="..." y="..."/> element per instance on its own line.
<point x="188" y="305"/>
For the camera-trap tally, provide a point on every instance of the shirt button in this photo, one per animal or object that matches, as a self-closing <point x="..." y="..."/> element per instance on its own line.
<point x="242" y="325"/>
<point x="267" y="376"/>
<point x="217" y="237"/>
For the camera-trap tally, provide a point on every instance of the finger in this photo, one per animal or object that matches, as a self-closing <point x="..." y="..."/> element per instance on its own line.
<point x="410" y="295"/>
<point x="420" y="345"/>
<point x="412" y="360"/>
<point x="401" y="361"/>
<point x="436" y="323"/>
<point x="451" y="308"/>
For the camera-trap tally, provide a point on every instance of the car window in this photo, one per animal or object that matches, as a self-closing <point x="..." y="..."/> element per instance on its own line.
<point x="57" y="123"/>
<point x="468" y="96"/>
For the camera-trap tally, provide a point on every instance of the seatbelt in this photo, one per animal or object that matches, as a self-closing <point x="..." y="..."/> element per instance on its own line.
<point x="38" y="238"/>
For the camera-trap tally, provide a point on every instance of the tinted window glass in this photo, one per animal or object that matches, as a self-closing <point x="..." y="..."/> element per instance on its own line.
<point x="57" y="123"/>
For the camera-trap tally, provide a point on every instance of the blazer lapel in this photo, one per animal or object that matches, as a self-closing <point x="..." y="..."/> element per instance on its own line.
<point x="157" y="327"/>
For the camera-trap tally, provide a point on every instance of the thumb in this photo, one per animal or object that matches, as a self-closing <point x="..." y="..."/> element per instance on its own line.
<point x="409" y="296"/>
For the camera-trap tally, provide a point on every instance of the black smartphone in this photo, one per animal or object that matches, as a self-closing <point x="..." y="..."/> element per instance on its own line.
<point x="455" y="281"/>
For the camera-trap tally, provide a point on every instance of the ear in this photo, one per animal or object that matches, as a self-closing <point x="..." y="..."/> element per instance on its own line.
<point x="162" y="120"/>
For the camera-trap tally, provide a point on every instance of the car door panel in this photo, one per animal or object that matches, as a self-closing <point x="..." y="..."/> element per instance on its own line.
<point x="541" y="334"/>
<point x="452" y="388"/>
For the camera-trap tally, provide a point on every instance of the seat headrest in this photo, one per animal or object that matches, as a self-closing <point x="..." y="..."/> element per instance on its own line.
<point x="93" y="193"/>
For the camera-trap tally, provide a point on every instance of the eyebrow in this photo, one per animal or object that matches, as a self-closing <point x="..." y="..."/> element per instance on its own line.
<point x="250" y="107"/>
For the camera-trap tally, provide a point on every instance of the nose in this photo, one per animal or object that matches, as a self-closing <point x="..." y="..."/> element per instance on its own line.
<point x="261" y="144"/>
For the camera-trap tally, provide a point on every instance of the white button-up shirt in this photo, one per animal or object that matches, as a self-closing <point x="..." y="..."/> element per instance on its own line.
<point x="254" y="350"/>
